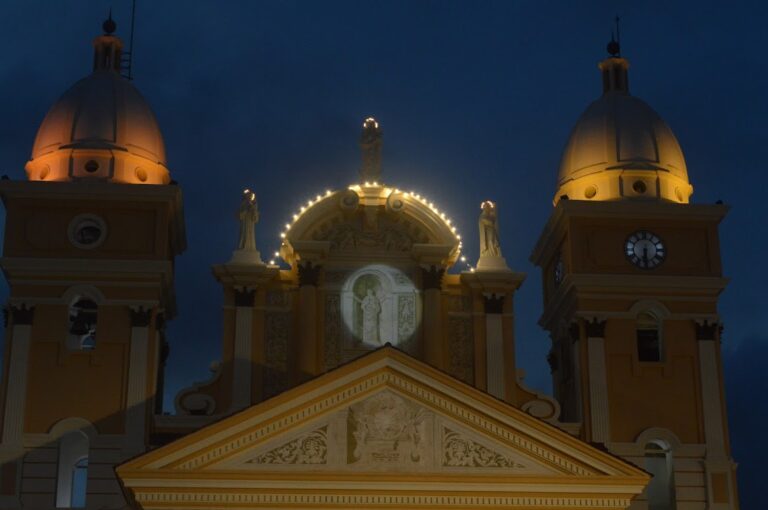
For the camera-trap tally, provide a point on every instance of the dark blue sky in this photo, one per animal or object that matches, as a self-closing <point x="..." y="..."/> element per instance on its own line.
<point x="476" y="100"/>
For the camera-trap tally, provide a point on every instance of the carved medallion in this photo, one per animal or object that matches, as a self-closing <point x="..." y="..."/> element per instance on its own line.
<point x="386" y="431"/>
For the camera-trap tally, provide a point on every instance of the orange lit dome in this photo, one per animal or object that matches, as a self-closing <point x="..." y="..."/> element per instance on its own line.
<point x="621" y="148"/>
<point x="101" y="128"/>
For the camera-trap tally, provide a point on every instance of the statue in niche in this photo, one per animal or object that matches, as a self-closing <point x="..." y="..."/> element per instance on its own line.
<point x="489" y="230"/>
<point x="248" y="214"/>
<point x="367" y="297"/>
<point x="371" y="310"/>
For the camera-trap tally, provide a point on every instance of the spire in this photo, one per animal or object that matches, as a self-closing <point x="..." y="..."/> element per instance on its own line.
<point x="107" y="48"/>
<point x="614" y="68"/>
<point x="370" y="145"/>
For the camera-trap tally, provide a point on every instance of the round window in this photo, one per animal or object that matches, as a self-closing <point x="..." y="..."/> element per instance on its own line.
<point x="590" y="192"/>
<point x="87" y="231"/>
<point x="91" y="166"/>
<point x="639" y="187"/>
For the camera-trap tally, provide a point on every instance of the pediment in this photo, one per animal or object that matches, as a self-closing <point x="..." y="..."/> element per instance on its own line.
<point x="380" y="425"/>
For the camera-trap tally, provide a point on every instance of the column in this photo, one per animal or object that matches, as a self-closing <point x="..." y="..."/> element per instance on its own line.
<point x="494" y="344"/>
<point x="598" y="381"/>
<point x="16" y="391"/>
<point x="138" y="373"/>
<point x="242" y="362"/>
<point x="307" y="349"/>
<point x="432" y="282"/>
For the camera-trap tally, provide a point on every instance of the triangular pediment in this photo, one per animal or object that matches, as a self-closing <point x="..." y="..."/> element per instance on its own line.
<point x="385" y="422"/>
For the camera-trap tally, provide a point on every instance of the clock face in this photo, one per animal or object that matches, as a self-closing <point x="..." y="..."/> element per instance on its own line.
<point x="645" y="250"/>
<point x="87" y="231"/>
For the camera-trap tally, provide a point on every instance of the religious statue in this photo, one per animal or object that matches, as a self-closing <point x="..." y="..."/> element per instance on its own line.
<point x="371" y="309"/>
<point x="370" y="145"/>
<point x="489" y="230"/>
<point x="248" y="214"/>
<point x="490" y="250"/>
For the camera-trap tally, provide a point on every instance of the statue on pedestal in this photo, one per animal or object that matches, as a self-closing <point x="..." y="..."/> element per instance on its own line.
<point x="248" y="214"/>
<point x="490" y="250"/>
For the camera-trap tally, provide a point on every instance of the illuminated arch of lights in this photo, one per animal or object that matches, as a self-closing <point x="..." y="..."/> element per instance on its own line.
<point x="387" y="192"/>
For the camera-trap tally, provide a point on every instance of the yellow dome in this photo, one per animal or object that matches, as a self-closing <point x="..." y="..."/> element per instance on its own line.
<point x="621" y="148"/>
<point x="100" y="128"/>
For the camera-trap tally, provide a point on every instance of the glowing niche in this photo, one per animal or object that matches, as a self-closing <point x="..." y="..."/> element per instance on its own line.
<point x="379" y="304"/>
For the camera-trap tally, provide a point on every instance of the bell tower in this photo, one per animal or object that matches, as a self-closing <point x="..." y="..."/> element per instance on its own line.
<point x="631" y="275"/>
<point x="90" y="241"/>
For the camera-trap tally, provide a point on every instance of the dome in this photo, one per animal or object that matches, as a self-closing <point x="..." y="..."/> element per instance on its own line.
<point x="100" y="128"/>
<point x="621" y="148"/>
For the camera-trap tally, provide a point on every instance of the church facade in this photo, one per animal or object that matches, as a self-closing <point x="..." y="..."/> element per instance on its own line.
<point x="363" y="372"/>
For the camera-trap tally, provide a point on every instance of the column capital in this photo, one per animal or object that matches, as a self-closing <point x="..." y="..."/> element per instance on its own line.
<point x="309" y="273"/>
<point x="22" y="314"/>
<point x="432" y="277"/>
<point x="245" y="296"/>
<point x="493" y="303"/>
<point x="707" y="330"/>
<point x="595" y="328"/>
<point x="140" y="317"/>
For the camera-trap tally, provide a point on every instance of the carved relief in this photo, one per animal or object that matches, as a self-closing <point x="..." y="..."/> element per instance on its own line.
<point x="390" y="235"/>
<point x="277" y="334"/>
<point x="311" y="448"/>
<point x="333" y="331"/>
<point x="460" y="451"/>
<point x="462" y="348"/>
<point x="406" y="317"/>
<point x="386" y="431"/>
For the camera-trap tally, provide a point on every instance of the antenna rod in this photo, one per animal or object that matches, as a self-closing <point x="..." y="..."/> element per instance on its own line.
<point x="130" y="43"/>
<point x="618" y="35"/>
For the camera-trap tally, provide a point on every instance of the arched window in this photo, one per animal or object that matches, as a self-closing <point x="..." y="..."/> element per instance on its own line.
<point x="72" y="473"/>
<point x="661" y="489"/>
<point x="648" y="337"/>
<point x="82" y="324"/>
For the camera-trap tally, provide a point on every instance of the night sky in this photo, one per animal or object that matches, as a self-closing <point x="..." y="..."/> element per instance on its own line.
<point x="476" y="100"/>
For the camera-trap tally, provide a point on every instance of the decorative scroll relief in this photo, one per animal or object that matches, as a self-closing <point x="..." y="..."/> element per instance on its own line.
<point x="385" y="431"/>
<point x="460" y="451"/>
<point x="311" y="448"/>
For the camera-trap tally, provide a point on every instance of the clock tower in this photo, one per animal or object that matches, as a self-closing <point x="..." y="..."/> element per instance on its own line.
<point x="90" y="240"/>
<point x="632" y="274"/>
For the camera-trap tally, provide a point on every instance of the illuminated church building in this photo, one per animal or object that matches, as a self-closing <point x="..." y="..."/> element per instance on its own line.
<point x="361" y="373"/>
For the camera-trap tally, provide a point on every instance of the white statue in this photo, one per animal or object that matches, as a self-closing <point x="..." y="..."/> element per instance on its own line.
<point x="489" y="230"/>
<point x="248" y="214"/>
<point x="371" y="310"/>
<point x="490" y="250"/>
